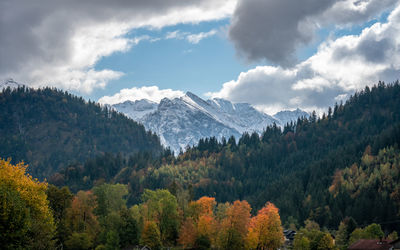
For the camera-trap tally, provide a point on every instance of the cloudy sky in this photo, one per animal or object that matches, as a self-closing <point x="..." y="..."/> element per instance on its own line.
<point x="274" y="54"/>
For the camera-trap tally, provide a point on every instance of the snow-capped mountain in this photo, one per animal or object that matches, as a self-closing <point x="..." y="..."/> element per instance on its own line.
<point x="287" y="116"/>
<point x="184" y="121"/>
<point x="10" y="83"/>
<point x="137" y="109"/>
<point x="181" y="121"/>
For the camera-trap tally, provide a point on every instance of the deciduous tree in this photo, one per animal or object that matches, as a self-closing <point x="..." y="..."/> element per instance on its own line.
<point x="265" y="231"/>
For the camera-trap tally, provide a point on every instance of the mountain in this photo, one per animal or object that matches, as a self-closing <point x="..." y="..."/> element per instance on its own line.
<point x="184" y="121"/>
<point x="343" y="164"/>
<point x="50" y="129"/>
<point x="10" y="83"/>
<point x="136" y="109"/>
<point x="287" y="116"/>
<point x="325" y="169"/>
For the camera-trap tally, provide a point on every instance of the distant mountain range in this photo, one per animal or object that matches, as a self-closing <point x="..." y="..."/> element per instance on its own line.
<point x="184" y="121"/>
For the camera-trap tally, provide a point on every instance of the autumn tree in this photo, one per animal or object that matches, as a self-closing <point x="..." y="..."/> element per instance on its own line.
<point x="234" y="227"/>
<point x="206" y="227"/>
<point x="81" y="217"/>
<point x="26" y="220"/>
<point x="265" y="230"/>
<point x="203" y="206"/>
<point x="326" y="242"/>
<point x="151" y="235"/>
<point x="187" y="233"/>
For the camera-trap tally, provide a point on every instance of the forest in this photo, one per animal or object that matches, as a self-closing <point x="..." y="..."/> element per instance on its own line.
<point x="296" y="168"/>
<point x="50" y="129"/>
<point x="35" y="215"/>
<point x="334" y="175"/>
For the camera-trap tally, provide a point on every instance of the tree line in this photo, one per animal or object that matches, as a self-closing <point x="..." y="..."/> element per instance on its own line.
<point x="294" y="167"/>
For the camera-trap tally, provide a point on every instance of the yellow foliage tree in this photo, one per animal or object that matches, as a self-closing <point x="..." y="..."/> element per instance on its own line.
<point x="234" y="227"/>
<point x="265" y="230"/>
<point x="39" y="223"/>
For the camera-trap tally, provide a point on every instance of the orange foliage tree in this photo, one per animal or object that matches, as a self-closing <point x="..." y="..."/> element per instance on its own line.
<point x="203" y="206"/>
<point x="80" y="216"/>
<point x="265" y="230"/>
<point x="233" y="228"/>
<point x="187" y="233"/>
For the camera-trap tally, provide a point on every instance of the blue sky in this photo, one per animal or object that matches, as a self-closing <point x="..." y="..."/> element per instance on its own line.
<point x="275" y="54"/>
<point x="176" y="63"/>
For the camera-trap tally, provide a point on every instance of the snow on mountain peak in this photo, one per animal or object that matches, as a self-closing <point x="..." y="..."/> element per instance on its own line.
<point x="10" y="83"/>
<point x="137" y="109"/>
<point x="185" y="120"/>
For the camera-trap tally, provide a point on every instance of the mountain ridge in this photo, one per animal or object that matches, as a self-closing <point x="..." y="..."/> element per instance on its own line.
<point x="49" y="129"/>
<point x="190" y="118"/>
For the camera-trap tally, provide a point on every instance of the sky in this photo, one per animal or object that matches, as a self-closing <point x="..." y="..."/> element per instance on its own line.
<point x="273" y="54"/>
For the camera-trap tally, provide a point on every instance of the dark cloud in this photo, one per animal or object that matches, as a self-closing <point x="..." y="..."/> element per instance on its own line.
<point x="375" y="50"/>
<point x="371" y="50"/>
<point x="273" y="29"/>
<point x="35" y="35"/>
<point x="339" y="68"/>
<point x="41" y="29"/>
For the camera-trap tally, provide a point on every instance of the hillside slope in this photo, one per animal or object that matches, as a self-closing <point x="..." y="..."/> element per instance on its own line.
<point x="293" y="168"/>
<point x="50" y="129"/>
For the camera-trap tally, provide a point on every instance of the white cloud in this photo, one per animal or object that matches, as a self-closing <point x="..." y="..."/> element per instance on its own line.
<point x="275" y="30"/>
<point x="196" y="38"/>
<point x="338" y="69"/>
<point x="190" y="37"/>
<point x="176" y="34"/>
<point x="59" y="42"/>
<point x="152" y="93"/>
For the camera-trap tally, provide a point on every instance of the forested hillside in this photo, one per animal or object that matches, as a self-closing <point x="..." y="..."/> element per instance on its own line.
<point x="293" y="168"/>
<point x="50" y="129"/>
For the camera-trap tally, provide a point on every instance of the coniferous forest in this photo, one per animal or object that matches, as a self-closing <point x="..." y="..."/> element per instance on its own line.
<point x="111" y="185"/>
<point x="50" y="129"/>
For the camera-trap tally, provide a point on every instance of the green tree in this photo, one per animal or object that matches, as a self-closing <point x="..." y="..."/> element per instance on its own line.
<point x="80" y="216"/>
<point x="15" y="219"/>
<point x="372" y="231"/>
<point x="202" y="242"/>
<point x="342" y="236"/>
<point x="112" y="241"/>
<point x="393" y="236"/>
<point x="326" y="243"/>
<point x="79" y="241"/>
<point x="128" y="230"/>
<point x="60" y="200"/>
<point x="162" y="207"/>
<point x="301" y="243"/>
<point x="151" y="235"/>
<point x="110" y="197"/>
<point x="24" y="211"/>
